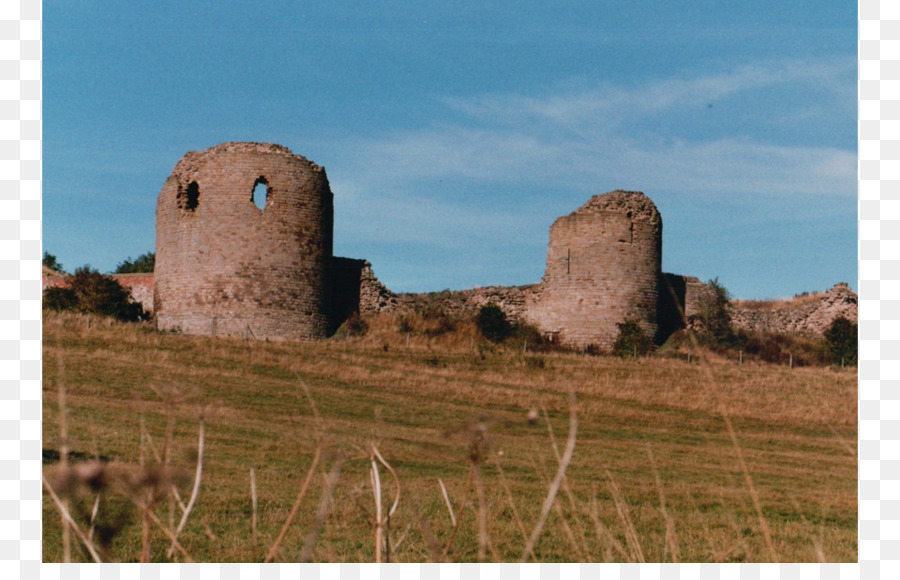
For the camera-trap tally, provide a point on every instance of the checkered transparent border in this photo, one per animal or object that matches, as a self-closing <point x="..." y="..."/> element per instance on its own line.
<point x="20" y="345"/>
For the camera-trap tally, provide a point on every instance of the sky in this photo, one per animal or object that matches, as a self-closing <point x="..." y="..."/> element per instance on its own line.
<point x="454" y="134"/>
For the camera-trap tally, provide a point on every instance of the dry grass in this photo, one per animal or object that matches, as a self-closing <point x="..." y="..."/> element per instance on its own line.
<point x="779" y="304"/>
<point x="657" y="470"/>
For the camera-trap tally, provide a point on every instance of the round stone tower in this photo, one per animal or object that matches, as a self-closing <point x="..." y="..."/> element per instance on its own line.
<point x="229" y="266"/>
<point x="603" y="266"/>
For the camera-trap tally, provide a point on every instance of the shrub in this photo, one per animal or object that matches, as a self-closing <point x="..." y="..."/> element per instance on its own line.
<point x="50" y="261"/>
<point x="780" y="347"/>
<point x="528" y="335"/>
<point x="405" y="323"/>
<point x="142" y="265"/>
<point x="353" y="326"/>
<point x="492" y="323"/>
<point x="631" y="340"/>
<point x="841" y="341"/>
<point x="90" y="292"/>
<point x="59" y="299"/>
<point x="714" y="313"/>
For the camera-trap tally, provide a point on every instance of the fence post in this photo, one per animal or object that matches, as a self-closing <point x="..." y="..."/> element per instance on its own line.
<point x="742" y="357"/>
<point x="525" y="348"/>
<point x="791" y="360"/>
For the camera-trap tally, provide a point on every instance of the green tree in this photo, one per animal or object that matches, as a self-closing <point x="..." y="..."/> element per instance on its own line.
<point x="91" y="292"/>
<point x="50" y="261"/>
<point x="714" y="312"/>
<point x="631" y="340"/>
<point x="142" y="265"/>
<point x="841" y="344"/>
<point x="493" y="324"/>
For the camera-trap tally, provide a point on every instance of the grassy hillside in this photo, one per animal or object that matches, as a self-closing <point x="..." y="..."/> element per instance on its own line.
<point x="672" y="461"/>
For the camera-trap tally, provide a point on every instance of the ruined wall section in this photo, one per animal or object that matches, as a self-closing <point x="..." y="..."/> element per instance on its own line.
<point x="810" y="318"/>
<point x="603" y="265"/>
<point x="226" y="267"/>
<point x="680" y="299"/>
<point x="140" y="286"/>
<point x="374" y="297"/>
<point x="512" y="300"/>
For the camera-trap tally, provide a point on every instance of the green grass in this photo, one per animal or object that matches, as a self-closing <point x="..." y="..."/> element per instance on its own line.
<point x="796" y="431"/>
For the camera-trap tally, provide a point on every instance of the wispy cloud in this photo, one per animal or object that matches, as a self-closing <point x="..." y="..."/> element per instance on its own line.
<point x="637" y="136"/>
<point x="497" y="169"/>
<point x="615" y="103"/>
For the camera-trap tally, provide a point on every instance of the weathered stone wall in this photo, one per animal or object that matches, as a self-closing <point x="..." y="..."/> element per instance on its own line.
<point x="811" y="318"/>
<point x="512" y="300"/>
<point x="603" y="266"/>
<point x="679" y="303"/>
<point x="374" y="297"/>
<point x="140" y="286"/>
<point x="226" y="267"/>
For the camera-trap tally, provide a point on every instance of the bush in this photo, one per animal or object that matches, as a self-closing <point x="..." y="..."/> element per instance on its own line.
<point x="144" y="264"/>
<point x="353" y="326"/>
<point x="781" y="347"/>
<point x="492" y="323"/>
<point x="714" y="313"/>
<point x="50" y="261"/>
<point x="631" y="340"/>
<point x="841" y="345"/>
<point x="90" y="292"/>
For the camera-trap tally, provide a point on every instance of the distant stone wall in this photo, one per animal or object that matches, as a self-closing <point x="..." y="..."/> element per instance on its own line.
<point x="512" y="300"/>
<point x="374" y="297"/>
<point x="603" y="266"/>
<point x="812" y="318"/>
<point x="226" y="267"/>
<point x="140" y="286"/>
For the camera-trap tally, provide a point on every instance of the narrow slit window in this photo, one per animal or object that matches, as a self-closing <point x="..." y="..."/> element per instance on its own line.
<point x="261" y="193"/>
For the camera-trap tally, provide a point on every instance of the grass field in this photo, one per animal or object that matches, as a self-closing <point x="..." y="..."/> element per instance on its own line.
<point x="672" y="461"/>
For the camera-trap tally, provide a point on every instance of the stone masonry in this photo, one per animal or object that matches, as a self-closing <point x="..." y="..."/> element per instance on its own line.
<point x="603" y="266"/>
<point x="225" y="267"/>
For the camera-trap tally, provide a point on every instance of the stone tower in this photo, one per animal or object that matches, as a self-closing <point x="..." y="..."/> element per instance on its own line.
<point x="226" y="267"/>
<point x="603" y="265"/>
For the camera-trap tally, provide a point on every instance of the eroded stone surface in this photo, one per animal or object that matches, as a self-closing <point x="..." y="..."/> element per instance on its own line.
<point x="226" y="267"/>
<point x="812" y="318"/>
<point x="603" y="266"/>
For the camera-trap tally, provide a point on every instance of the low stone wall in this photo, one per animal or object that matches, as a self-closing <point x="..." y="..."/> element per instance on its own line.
<point x="811" y="318"/>
<point x="512" y="300"/>
<point x="140" y="285"/>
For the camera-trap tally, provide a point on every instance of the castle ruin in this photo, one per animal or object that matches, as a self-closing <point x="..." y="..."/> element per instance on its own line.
<point x="231" y="265"/>
<point x="603" y="265"/>
<point x="227" y="267"/>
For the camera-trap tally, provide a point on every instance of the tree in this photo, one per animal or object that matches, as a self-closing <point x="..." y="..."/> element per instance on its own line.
<point x="142" y="265"/>
<point x="91" y="292"/>
<point x="493" y="324"/>
<point x="50" y="261"/>
<point x="714" y="311"/>
<point x="631" y="340"/>
<point x="841" y="341"/>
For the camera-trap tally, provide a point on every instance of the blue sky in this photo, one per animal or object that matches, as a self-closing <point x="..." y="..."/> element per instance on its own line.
<point x="454" y="134"/>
